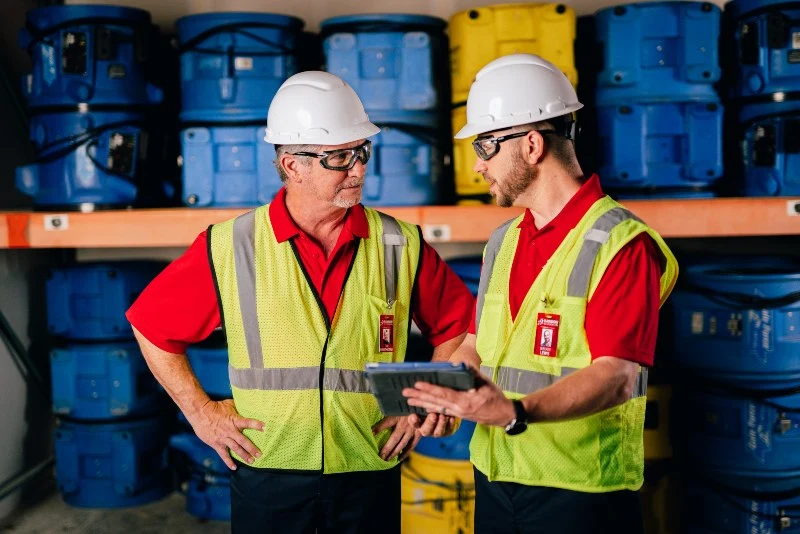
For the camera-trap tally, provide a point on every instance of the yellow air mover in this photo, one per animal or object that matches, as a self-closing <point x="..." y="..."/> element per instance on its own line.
<point x="656" y="423"/>
<point x="478" y="36"/>
<point x="438" y="496"/>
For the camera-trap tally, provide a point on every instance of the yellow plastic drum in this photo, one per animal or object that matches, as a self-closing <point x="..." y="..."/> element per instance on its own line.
<point x="477" y="36"/>
<point x="438" y="496"/>
<point x="468" y="183"/>
<point x="656" y="423"/>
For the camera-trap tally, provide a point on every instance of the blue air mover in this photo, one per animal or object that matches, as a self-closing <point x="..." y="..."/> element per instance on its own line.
<point x="404" y="169"/>
<point x="198" y="454"/>
<point x="660" y="146"/>
<point x="743" y="433"/>
<point x="455" y="447"/>
<point x="658" y="52"/>
<point x="228" y="167"/>
<point x="767" y="34"/>
<point x="396" y="63"/>
<point x="86" y="54"/>
<point x="208" y="497"/>
<point x="232" y="64"/>
<point x="87" y="160"/>
<point x="740" y="323"/>
<point x="207" y="488"/>
<point x="88" y="301"/>
<point x="771" y="148"/>
<point x="210" y="365"/>
<point x="103" y="381"/>
<point x="113" y="465"/>
<point x="469" y="270"/>
<point x="710" y="509"/>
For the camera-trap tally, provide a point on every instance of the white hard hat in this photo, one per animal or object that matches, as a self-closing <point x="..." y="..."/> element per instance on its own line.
<point x="517" y="89"/>
<point x="317" y="108"/>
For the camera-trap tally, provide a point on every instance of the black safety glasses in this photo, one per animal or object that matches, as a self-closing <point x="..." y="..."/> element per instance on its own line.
<point x="342" y="159"/>
<point x="487" y="147"/>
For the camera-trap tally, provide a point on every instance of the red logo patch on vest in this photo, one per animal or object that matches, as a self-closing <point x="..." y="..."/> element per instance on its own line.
<point x="546" y="342"/>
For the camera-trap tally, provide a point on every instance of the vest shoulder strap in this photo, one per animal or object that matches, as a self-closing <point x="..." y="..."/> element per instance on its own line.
<point x="489" y="255"/>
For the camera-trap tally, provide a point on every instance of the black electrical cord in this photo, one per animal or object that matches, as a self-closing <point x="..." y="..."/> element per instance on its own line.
<point x="22" y="358"/>
<point x="18" y="480"/>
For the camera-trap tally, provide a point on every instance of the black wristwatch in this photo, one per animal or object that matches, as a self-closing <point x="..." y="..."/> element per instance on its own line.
<point x="519" y="424"/>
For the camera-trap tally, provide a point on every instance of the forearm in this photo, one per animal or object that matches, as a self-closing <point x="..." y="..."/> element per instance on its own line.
<point x="466" y="353"/>
<point x="608" y="382"/>
<point x="444" y="351"/>
<point x="175" y="374"/>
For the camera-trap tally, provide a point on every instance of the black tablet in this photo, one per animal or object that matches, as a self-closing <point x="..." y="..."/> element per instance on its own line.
<point x="387" y="381"/>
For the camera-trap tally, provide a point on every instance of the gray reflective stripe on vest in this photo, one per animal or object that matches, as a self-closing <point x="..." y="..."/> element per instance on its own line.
<point x="490" y="254"/>
<point x="298" y="378"/>
<point x="257" y="376"/>
<point x="393" y="243"/>
<point x="579" y="278"/>
<point x="523" y="382"/>
<point x="244" y="229"/>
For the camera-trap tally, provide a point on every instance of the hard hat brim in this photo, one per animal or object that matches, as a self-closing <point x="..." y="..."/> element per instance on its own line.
<point x="473" y="129"/>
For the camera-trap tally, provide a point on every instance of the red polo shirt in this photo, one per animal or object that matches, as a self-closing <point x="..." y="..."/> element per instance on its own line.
<point x="622" y="315"/>
<point x="180" y="306"/>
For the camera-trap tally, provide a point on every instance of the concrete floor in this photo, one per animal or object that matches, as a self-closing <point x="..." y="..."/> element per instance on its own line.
<point x="53" y="516"/>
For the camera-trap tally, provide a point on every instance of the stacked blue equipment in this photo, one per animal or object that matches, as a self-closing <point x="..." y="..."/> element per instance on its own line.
<point x="88" y="301"/>
<point x="210" y="365"/>
<point x="205" y="478"/>
<point x="113" y="465"/>
<point x="737" y="329"/>
<point x="112" y="439"/>
<point x="766" y="83"/>
<point x="232" y="64"/>
<point x="716" y="511"/>
<point x="770" y="139"/>
<point x="89" y="95"/>
<point x="398" y="66"/>
<point x="208" y="487"/>
<point x="103" y="381"/>
<point x="659" y="117"/>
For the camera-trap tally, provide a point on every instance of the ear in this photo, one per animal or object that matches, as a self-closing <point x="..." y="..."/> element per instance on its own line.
<point x="533" y="149"/>
<point x="291" y="165"/>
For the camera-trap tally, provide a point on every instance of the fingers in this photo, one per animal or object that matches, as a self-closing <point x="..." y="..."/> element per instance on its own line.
<point x="429" y="425"/>
<point x="441" y="427"/>
<point x="415" y="421"/>
<point x="252" y="451"/>
<point x="411" y="446"/>
<point x="223" y="453"/>
<point x="383" y="424"/>
<point x="238" y="449"/>
<point x="241" y="423"/>
<point x="397" y="442"/>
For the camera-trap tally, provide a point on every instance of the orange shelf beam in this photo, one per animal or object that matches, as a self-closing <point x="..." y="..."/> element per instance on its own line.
<point x="177" y="227"/>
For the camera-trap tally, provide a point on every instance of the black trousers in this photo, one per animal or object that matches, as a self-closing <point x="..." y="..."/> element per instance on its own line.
<point x="266" y="502"/>
<point x="508" y="508"/>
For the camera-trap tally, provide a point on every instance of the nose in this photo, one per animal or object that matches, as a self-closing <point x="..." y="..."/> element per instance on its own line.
<point x="359" y="169"/>
<point x="480" y="166"/>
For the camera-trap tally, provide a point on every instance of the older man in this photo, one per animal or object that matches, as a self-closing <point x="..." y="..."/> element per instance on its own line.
<point x="308" y="288"/>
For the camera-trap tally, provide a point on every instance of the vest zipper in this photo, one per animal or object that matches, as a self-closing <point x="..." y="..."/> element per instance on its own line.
<point x="324" y="354"/>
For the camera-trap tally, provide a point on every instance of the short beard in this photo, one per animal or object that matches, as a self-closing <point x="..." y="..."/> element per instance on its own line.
<point x="343" y="203"/>
<point x="519" y="179"/>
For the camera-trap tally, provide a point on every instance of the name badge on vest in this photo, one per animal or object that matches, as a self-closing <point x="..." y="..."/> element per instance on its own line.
<point x="546" y="342"/>
<point x="386" y="334"/>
